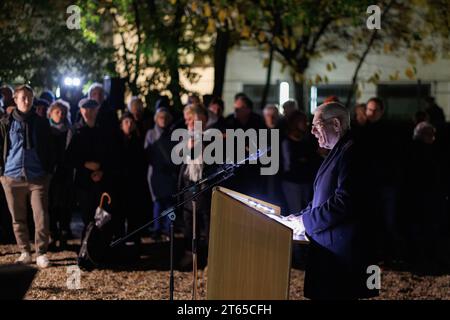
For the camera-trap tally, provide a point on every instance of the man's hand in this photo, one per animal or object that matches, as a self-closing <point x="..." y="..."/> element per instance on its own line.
<point x="296" y="223"/>
<point x="97" y="176"/>
<point x="91" y="165"/>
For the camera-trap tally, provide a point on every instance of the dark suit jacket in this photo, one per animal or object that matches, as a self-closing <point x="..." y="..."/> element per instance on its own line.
<point x="338" y="221"/>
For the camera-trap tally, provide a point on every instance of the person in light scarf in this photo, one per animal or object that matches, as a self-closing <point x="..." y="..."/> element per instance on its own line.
<point x="191" y="172"/>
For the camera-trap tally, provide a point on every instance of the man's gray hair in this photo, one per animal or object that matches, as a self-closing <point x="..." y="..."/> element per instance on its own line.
<point x="335" y="110"/>
<point x="421" y="129"/>
<point x="95" y="85"/>
<point x="290" y="104"/>
<point x="271" y="107"/>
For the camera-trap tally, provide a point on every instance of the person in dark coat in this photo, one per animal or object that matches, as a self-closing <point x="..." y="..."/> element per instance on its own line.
<point x="177" y="116"/>
<point x="216" y="120"/>
<point x="48" y="95"/>
<point x="243" y="116"/>
<point x="61" y="192"/>
<point x="162" y="173"/>
<point x="272" y="183"/>
<point x="337" y="221"/>
<point x="271" y="116"/>
<point x="134" y="201"/>
<point x="8" y="96"/>
<point x="247" y="179"/>
<point x="425" y="200"/>
<point x="106" y="116"/>
<point x="385" y="142"/>
<point x="435" y="113"/>
<point x="41" y="106"/>
<point x="93" y="153"/>
<point x="143" y="118"/>
<point x="359" y="117"/>
<point x="300" y="162"/>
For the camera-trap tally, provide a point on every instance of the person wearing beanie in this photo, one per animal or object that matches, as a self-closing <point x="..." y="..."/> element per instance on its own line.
<point x="40" y="107"/>
<point x="48" y="96"/>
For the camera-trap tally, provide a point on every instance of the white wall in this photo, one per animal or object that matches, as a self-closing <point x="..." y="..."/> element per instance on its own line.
<point x="245" y="66"/>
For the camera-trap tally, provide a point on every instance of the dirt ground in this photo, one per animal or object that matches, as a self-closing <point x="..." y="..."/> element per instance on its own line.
<point x="149" y="279"/>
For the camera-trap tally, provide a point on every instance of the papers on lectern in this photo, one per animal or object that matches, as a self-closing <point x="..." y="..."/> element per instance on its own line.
<point x="289" y="224"/>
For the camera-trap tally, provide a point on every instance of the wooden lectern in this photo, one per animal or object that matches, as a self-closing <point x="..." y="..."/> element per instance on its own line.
<point x="249" y="252"/>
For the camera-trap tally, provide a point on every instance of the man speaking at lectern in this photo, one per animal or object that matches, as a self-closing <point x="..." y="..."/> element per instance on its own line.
<point x="337" y="221"/>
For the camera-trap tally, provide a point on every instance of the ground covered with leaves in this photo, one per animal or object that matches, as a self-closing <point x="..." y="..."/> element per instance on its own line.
<point x="149" y="279"/>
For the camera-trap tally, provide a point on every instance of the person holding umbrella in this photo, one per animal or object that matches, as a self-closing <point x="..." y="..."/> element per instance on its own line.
<point x="93" y="153"/>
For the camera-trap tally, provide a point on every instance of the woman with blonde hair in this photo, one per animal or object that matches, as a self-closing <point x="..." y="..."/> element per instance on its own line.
<point x="189" y="174"/>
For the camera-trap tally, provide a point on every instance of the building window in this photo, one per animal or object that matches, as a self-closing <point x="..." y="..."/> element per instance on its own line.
<point x="255" y="93"/>
<point x="402" y="101"/>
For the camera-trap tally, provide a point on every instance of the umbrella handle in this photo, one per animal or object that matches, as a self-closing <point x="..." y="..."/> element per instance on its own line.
<point x="104" y="194"/>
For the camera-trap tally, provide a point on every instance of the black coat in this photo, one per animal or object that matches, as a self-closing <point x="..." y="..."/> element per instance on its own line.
<point x="96" y="144"/>
<point x="61" y="185"/>
<point x="255" y="121"/>
<point x="339" y="224"/>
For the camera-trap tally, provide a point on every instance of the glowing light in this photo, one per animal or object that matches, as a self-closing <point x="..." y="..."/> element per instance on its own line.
<point x="72" y="81"/>
<point x="68" y="81"/>
<point x="313" y="105"/>
<point x="284" y="92"/>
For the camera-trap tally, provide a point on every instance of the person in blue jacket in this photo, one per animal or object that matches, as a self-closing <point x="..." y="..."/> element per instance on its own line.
<point x="338" y="220"/>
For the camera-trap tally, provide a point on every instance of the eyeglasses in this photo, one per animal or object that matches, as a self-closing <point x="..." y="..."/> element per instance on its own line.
<point x="319" y="124"/>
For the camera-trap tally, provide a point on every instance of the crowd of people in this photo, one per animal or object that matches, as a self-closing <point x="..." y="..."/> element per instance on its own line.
<point x="55" y="163"/>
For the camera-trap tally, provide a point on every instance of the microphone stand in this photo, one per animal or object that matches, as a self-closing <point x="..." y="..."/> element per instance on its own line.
<point x="210" y="181"/>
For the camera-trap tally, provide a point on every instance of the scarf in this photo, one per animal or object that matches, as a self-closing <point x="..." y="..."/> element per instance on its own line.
<point x="194" y="171"/>
<point x="194" y="167"/>
<point x="63" y="126"/>
<point x="25" y="119"/>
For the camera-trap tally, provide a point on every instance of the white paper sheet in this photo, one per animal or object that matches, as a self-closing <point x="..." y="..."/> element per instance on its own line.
<point x="289" y="224"/>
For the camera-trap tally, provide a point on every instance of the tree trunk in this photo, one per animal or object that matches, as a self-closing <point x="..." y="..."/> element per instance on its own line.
<point x="299" y="95"/>
<point x="220" y="61"/>
<point x="268" y="79"/>
<point x="353" y="86"/>
<point x="173" y="59"/>
<point x="174" y="85"/>
<point x="372" y="39"/>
